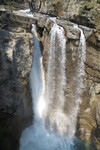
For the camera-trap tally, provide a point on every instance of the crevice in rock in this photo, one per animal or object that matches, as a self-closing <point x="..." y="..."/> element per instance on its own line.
<point x="95" y="69"/>
<point x="39" y="30"/>
<point x="82" y="20"/>
<point x="92" y="78"/>
<point x="94" y="45"/>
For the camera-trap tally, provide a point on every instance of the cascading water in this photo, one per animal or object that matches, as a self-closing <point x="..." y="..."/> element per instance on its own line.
<point x="56" y="79"/>
<point x="78" y="83"/>
<point x="80" y="68"/>
<point x="37" y="79"/>
<point x="52" y="129"/>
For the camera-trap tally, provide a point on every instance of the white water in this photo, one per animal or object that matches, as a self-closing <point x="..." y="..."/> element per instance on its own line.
<point x="52" y="128"/>
<point x="80" y="69"/>
<point x="78" y="83"/>
<point x="37" y="79"/>
<point x="56" y="79"/>
<point x="26" y="12"/>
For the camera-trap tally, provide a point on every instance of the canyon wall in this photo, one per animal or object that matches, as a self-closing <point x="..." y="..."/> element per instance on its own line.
<point x="16" y="51"/>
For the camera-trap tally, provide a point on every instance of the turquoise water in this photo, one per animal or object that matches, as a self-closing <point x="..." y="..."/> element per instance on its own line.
<point x="82" y="145"/>
<point x="37" y="137"/>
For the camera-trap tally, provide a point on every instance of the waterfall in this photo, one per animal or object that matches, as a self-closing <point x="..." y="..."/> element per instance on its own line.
<point x="78" y="83"/>
<point x="57" y="83"/>
<point x="52" y="128"/>
<point x="37" y="81"/>
<point x="56" y="79"/>
<point x="80" y="69"/>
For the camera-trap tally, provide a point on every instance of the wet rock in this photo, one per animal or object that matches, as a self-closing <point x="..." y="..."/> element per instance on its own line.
<point x="83" y="20"/>
<point x="72" y="33"/>
<point x="13" y="62"/>
<point x="16" y="50"/>
<point x="16" y="53"/>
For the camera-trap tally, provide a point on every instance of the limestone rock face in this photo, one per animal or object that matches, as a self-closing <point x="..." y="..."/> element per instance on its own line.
<point x="16" y="53"/>
<point x="88" y="122"/>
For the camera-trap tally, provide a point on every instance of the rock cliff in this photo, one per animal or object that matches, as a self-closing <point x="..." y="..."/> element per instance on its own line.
<point x="16" y="52"/>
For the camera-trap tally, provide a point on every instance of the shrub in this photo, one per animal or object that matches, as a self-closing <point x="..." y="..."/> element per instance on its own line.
<point x="98" y="1"/>
<point x="87" y="7"/>
<point x="81" y="10"/>
<point x="94" y="13"/>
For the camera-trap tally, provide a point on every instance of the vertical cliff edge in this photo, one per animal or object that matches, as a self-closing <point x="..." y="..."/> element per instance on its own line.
<point x="16" y="52"/>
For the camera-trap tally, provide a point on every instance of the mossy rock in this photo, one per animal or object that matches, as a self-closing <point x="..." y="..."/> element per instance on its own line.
<point x="94" y="13"/>
<point x="89" y="6"/>
<point x="98" y="1"/>
<point x="56" y="7"/>
<point x="83" y="145"/>
<point x="86" y="7"/>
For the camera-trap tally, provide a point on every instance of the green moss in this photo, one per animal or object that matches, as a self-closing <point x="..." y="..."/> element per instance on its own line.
<point x="86" y="7"/>
<point x="83" y="145"/>
<point x="69" y="24"/>
<point x="81" y="10"/>
<point x="94" y="13"/>
<point x="98" y="1"/>
<point x="89" y="6"/>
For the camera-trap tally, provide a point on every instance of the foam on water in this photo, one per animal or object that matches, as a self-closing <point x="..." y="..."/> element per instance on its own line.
<point x="26" y="12"/>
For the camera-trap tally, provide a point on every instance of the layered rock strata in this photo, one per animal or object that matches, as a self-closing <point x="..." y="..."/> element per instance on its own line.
<point x="16" y="51"/>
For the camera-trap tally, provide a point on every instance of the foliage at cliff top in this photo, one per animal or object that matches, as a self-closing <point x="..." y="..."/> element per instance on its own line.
<point x="86" y="7"/>
<point x="10" y="1"/>
<point x="98" y="1"/>
<point x="90" y="7"/>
